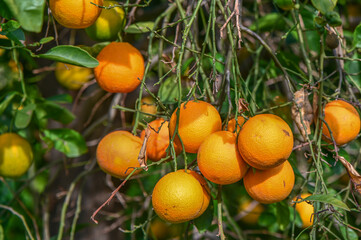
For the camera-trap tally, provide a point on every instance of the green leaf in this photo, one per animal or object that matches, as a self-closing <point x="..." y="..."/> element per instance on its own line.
<point x="1" y="232"/>
<point x="354" y="68"/>
<point x="266" y="219"/>
<point x="95" y="49"/>
<point x="9" y="26"/>
<point x="357" y="37"/>
<point x="72" y="55"/>
<point x="283" y="215"/>
<point x="324" y="6"/>
<point x="204" y="221"/>
<point x="46" y="40"/>
<point x="168" y="90"/>
<point x="5" y="11"/>
<point x="67" y="141"/>
<point x="56" y="112"/>
<point x="348" y="233"/>
<point x="329" y="199"/>
<point x="61" y="98"/>
<point x="23" y="116"/>
<point x="295" y="216"/>
<point x="12" y="30"/>
<point x="333" y="19"/>
<point x="28" y="13"/>
<point x="140" y="27"/>
<point x="269" y="22"/>
<point x="5" y="102"/>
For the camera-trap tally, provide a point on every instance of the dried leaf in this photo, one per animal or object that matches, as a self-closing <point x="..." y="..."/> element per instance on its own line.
<point x="242" y="105"/>
<point x="354" y="175"/>
<point x="142" y="157"/>
<point x="302" y="112"/>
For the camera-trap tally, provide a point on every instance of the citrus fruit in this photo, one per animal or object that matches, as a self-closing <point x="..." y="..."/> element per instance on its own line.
<point x="178" y="197"/>
<point x="108" y="24"/>
<point x="197" y="120"/>
<point x="117" y="153"/>
<point x="206" y="191"/>
<point x="265" y="141"/>
<point x="343" y="120"/>
<point x="148" y="105"/>
<point x="271" y="185"/>
<point x="219" y="160"/>
<point x="120" y="69"/>
<point x="305" y="210"/>
<point x="250" y="211"/>
<point x="158" y="140"/>
<point x="285" y="4"/>
<point x="16" y="155"/>
<point x="72" y="77"/>
<point x="75" y="13"/>
<point x="161" y="230"/>
<point x="233" y="124"/>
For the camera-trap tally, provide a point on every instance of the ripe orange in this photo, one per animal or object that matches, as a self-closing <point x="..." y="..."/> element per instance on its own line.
<point x="16" y="155"/>
<point x="305" y="210"/>
<point x="148" y="105"/>
<point x="108" y="24"/>
<point x="178" y="197"/>
<point x="117" y="153"/>
<point x="232" y="124"/>
<point x="265" y="141"/>
<point x="197" y="120"/>
<point x="219" y="160"/>
<point x="206" y="191"/>
<point x="158" y="142"/>
<point x="75" y="13"/>
<point x="250" y="211"/>
<point x="120" y="69"/>
<point x="343" y="120"/>
<point x="72" y="77"/>
<point x="271" y="185"/>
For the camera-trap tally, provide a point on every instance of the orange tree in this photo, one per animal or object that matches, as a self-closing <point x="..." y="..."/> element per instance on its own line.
<point x="283" y="76"/>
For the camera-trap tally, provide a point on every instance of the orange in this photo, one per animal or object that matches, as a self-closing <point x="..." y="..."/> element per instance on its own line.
<point x="161" y="230"/>
<point x="148" y="105"/>
<point x="197" y="120"/>
<point x="250" y="211"/>
<point x="206" y="191"/>
<point x="16" y="155"/>
<point x="232" y="124"/>
<point x="75" y="13"/>
<point x="72" y="77"/>
<point x="305" y="210"/>
<point x="265" y="141"/>
<point x="219" y="160"/>
<point x="108" y="24"/>
<point x="158" y="140"/>
<point x="117" y="153"/>
<point x="343" y="120"/>
<point x="271" y="185"/>
<point x="178" y="197"/>
<point x="120" y="69"/>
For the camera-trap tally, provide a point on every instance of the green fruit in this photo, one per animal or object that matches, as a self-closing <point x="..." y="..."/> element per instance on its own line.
<point x="108" y="24"/>
<point x="284" y="4"/>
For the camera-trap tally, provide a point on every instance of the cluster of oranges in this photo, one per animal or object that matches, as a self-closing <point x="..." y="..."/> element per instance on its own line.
<point x="256" y="150"/>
